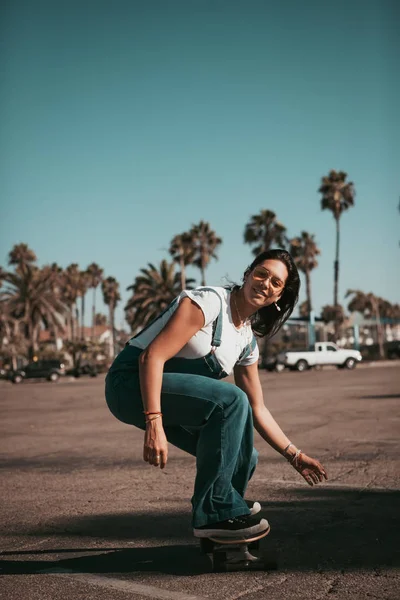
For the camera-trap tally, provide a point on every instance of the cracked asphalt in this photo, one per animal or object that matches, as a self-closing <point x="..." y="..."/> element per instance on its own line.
<point x="82" y="516"/>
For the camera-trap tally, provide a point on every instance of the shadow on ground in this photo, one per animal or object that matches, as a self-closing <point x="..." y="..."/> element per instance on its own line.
<point x="379" y="397"/>
<point x="335" y="529"/>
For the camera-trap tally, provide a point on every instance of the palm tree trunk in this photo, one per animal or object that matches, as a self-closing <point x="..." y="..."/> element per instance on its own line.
<point x="203" y="275"/>
<point x="93" y="311"/>
<point x="308" y="293"/>
<point x="183" y="276"/>
<point x="336" y="277"/>
<point x="14" y="362"/>
<point x="71" y="324"/>
<point x="31" y="343"/>
<point x="112" y="340"/>
<point x="379" y="328"/>
<point x="82" y="316"/>
<point x="73" y="310"/>
<point x="77" y="320"/>
<point x="336" y="267"/>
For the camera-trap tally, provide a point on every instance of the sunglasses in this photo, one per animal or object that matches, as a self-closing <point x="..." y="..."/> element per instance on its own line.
<point x="262" y="274"/>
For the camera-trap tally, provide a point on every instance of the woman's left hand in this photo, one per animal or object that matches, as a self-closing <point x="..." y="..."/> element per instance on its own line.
<point x="311" y="469"/>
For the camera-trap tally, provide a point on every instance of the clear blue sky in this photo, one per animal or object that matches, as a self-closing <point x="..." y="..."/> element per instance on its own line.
<point x="124" y="122"/>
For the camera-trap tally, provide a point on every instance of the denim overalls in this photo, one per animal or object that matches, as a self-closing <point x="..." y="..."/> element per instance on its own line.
<point x="203" y="416"/>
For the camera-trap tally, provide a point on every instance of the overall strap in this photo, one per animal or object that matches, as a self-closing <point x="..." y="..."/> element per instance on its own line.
<point x="248" y="349"/>
<point x="217" y="324"/>
<point x="153" y="320"/>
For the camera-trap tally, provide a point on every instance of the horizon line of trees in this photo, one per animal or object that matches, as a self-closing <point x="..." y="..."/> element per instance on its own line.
<point x="53" y="298"/>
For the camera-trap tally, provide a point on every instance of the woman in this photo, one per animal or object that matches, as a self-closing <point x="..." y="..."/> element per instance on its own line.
<point x="166" y="381"/>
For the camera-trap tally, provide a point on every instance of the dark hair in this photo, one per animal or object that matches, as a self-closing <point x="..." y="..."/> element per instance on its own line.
<point x="267" y="321"/>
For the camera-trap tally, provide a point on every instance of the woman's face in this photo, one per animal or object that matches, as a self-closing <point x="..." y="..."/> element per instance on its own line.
<point x="265" y="283"/>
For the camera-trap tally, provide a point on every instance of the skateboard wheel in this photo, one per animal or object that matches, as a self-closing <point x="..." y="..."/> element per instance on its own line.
<point x="219" y="562"/>
<point x="206" y="546"/>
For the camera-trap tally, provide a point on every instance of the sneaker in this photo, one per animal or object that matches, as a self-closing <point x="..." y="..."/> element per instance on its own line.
<point x="240" y="528"/>
<point x="256" y="508"/>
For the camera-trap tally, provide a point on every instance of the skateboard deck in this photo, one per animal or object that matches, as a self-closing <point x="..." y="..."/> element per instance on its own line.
<point x="238" y="555"/>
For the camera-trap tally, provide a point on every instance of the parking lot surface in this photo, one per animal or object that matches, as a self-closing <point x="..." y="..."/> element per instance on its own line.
<point x="82" y="516"/>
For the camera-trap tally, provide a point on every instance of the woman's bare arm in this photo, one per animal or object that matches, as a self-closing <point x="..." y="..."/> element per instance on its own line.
<point x="187" y="320"/>
<point x="247" y="378"/>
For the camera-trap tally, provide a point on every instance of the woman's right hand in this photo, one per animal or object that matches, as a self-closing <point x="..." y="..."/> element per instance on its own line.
<point x="155" y="450"/>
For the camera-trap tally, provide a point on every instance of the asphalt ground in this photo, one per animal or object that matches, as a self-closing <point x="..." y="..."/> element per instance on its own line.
<point x="82" y="516"/>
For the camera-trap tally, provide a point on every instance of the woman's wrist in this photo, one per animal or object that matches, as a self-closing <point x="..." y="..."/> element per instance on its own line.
<point x="154" y="422"/>
<point x="290" y="451"/>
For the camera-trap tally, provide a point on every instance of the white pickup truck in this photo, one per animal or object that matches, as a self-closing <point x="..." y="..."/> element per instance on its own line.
<point x="324" y="353"/>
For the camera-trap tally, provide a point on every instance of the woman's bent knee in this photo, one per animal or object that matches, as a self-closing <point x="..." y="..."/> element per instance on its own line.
<point x="235" y="397"/>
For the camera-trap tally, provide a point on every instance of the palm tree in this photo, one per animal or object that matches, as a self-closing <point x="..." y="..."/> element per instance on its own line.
<point x="304" y="251"/>
<point x="83" y="286"/>
<point x="28" y="296"/>
<point x="12" y="339"/>
<point x="265" y="231"/>
<point x="70" y="291"/>
<point x="152" y="291"/>
<point x="205" y="243"/>
<point x="303" y="310"/>
<point x="95" y="275"/>
<point x="337" y="196"/>
<point x="55" y="278"/>
<point x="100" y="319"/>
<point x="369" y="304"/>
<point x="21" y="256"/>
<point x="111" y="297"/>
<point x="332" y="314"/>
<point x="182" y="251"/>
<point x="2" y="275"/>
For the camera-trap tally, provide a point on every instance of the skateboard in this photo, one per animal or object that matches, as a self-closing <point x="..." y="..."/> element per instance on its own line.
<point x="237" y="555"/>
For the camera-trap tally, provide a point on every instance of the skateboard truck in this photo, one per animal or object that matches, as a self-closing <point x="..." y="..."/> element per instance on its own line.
<point x="237" y="555"/>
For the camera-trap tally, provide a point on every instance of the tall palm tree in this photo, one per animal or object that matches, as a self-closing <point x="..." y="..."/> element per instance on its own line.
<point x="265" y="231"/>
<point x="152" y="291"/>
<point x="337" y="196"/>
<point x="369" y="304"/>
<point x="70" y="291"/>
<point x="21" y="256"/>
<point x="304" y="251"/>
<point x="30" y="298"/>
<point x="83" y="287"/>
<point x="55" y="278"/>
<point x="205" y="243"/>
<point x="182" y="251"/>
<point x="95" y="275"/>
<point x="111" y="297"/>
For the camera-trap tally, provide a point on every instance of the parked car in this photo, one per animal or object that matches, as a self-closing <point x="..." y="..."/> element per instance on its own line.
<point x="51" y="370"/>
<point x="83" y="369"/>
<point x="393" y="349"/>
<point x="324" y="353"/>
<point x="271" y="364"/>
